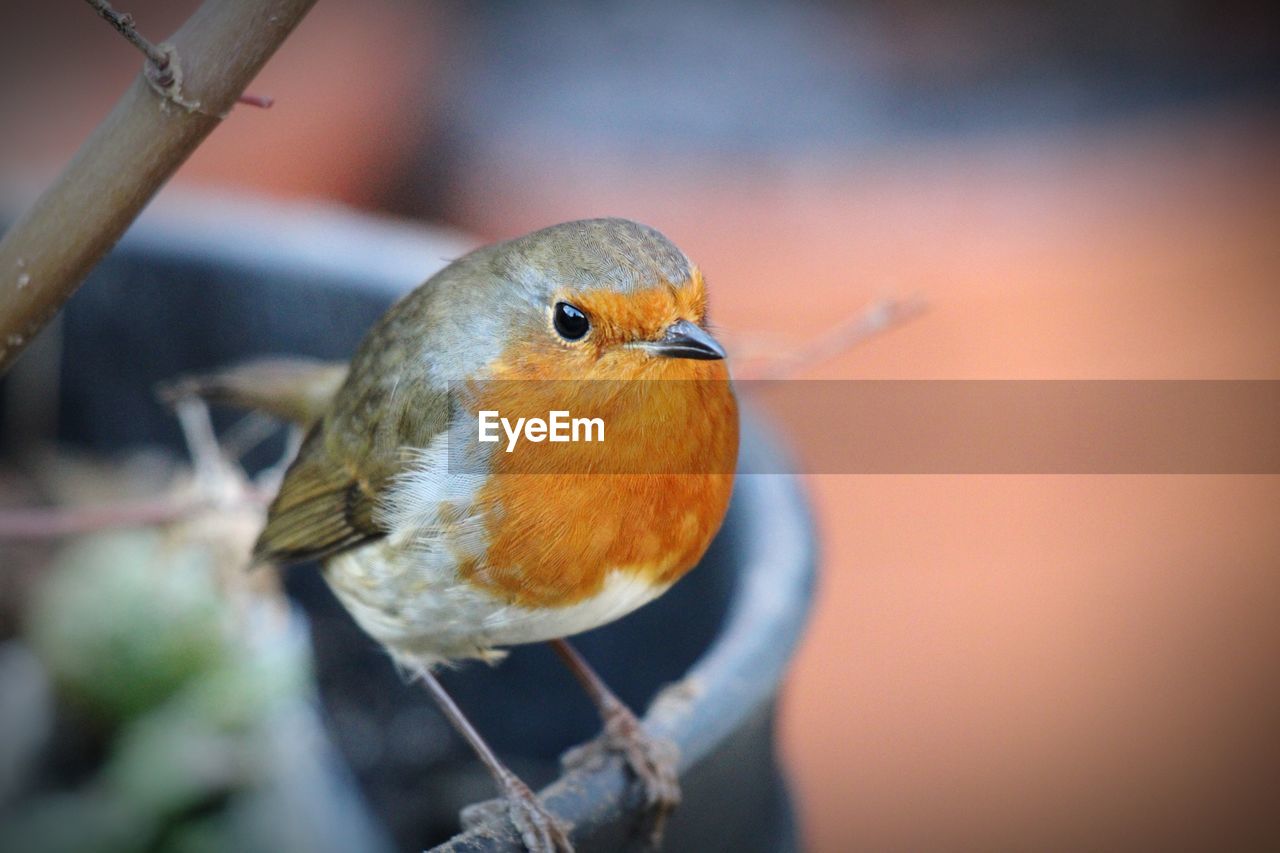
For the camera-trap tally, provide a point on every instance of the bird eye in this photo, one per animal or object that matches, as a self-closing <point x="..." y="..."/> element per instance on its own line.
<point x="570" y="322"/>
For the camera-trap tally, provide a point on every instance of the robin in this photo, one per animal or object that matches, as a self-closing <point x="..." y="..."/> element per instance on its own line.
<point x="440" y="562"/>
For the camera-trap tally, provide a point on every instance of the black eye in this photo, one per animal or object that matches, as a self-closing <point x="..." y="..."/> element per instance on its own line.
<point x="570" y="322"/>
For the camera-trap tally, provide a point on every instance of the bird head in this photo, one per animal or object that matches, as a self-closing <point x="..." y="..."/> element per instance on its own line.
<point x="603" y="299"/>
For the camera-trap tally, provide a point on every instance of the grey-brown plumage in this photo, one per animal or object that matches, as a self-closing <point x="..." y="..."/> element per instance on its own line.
<point x="395" y="397"/>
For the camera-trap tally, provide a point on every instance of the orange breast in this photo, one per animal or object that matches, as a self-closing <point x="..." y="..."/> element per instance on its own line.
<point x="553" y="537"/>
<point x="556" y="530"/>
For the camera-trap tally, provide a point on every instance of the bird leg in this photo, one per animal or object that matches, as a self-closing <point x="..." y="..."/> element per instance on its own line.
<point x="538" y="828"/>
<point x="654" y="760"/>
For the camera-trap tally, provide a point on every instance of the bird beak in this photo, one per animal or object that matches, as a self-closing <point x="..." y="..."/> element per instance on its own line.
<point x="685" y="340"/>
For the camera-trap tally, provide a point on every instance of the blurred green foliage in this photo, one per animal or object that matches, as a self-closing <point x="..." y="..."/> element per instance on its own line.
<point x="126" y="619"/>
<point x="205" y="710"/>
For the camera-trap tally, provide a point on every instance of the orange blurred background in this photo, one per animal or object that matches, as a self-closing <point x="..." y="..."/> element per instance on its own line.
<point x="994" y="662"/>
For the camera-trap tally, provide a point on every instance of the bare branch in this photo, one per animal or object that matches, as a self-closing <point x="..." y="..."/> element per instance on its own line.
<point x="216" y="484"/>
<point x="123" y="22"/>
<point x="61" y="521"/>
<point x="154" y="127"/>
<point x="56" y="522"/>
<point x="878" y="318"/>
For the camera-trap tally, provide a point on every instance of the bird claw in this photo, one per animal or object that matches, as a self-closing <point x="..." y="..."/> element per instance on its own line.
<point x="537" y="827"/>
<point x="654" y="761"/>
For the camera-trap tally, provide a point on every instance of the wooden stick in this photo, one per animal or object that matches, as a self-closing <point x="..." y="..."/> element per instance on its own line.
<point x="181" y="96"/>
<point x="878" y="318"/>
<point x="123" y="22"/>
<point x="60" y="521"/>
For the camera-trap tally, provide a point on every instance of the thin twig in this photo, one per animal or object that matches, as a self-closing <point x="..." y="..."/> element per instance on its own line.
<point x="879" y="317"/>
<point x="61" y="521"/>
<point x="57" y="522"/>
<point x="270" y="479"/>
<point x="202" y="444"/>
<point x="218" y="485"/>
<point x="246" y="434"/>
<point x="123" y="22"/>
<point x="262" y="102"/>
<point x="158" y="58"/>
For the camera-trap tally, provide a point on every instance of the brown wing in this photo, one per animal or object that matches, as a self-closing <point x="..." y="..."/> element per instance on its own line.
<point x="328" y="499"/>
<point x="384" y="410"/>
<point x="323" y="507"/>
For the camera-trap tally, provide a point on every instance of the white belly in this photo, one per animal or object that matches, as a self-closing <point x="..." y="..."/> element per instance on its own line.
<point x="405" y="590"/>
<point x="415" y="605"/>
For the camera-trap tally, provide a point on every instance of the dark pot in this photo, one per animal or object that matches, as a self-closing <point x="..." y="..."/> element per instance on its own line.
<point x="195" y="286"/>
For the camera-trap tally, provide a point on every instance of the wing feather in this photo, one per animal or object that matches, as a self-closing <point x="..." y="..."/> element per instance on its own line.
<point x="323" y="508"/>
